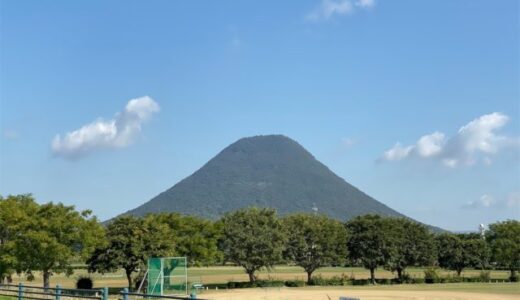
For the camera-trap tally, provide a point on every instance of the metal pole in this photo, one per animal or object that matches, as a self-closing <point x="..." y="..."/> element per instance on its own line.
<point x="125" y="294"/>
<point x="20" y="291"/>
<point x="104" y="292"/>
<point x="57" y="293"/>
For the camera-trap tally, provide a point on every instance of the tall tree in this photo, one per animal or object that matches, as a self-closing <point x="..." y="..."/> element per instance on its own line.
<point x="58" y="234"/>
<point x="130" y="241"/>
<point x="412" y="245"/>
<point x="504" y="239"/>
<point x="16" y="213"/>
<point x="194" y="237"/>
<point x="253" y="238"/>
<point x="476" y="250"/>
<point x="368" y="242"/>
<point x="315" y="241"/>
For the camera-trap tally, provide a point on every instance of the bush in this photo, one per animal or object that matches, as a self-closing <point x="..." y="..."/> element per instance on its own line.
<point x="360" y="281"/>
<point x="431" y="276"/>
<point x="485" y="276"/>
<point x="333" y="281"/>
<point x="84" y="283"/>
<point x="418" y="280"/>
<point x="294" y="283"/>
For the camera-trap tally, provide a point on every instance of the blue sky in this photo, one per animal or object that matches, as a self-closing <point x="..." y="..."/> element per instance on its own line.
<point x="348" y="80"/>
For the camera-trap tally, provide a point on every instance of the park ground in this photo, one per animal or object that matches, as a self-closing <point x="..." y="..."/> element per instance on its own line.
<point x="221" y="274"/>
<point x="453" y="291"/>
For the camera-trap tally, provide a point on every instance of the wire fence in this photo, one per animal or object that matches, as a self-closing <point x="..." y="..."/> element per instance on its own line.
<point x="21" y="292"/>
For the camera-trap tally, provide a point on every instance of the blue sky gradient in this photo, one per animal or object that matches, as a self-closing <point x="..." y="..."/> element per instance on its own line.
<point x="347" y="81"/>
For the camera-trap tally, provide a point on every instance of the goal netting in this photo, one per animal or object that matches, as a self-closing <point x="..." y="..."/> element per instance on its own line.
<point x="167" y="276"/>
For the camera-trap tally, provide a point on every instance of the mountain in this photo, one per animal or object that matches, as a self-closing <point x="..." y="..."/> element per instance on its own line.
<point x="264" y="171"/>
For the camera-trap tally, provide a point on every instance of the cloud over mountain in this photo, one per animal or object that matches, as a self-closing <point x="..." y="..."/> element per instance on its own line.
<point x="476" y="141"/>
<point x="117" y="132"/>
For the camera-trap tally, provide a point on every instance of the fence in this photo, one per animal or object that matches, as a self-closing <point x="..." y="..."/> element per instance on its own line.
<point x="22" y="292"/>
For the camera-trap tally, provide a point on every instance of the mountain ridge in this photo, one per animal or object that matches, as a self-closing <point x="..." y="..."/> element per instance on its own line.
<point x="264" y="171"/>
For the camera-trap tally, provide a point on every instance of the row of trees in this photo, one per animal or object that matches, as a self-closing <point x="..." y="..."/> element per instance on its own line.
<point x="50" y="237"/>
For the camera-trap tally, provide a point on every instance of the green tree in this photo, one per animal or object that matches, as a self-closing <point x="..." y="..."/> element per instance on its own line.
<point x="369" y="242"/>
<point x="15" y="219"/>
<point x="194" y="237"/>
<point x="476" y="249"/>
<point x="504" y="240"/>
<point x="412" y="245"/>
<point x="57" y="234"/>
<point x="252" y="238"/>
<point x="130" y="241"/>
<point x="314" y="241"/>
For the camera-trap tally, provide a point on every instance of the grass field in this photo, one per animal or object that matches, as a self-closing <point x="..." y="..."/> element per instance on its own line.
<point x="222" y="274"/>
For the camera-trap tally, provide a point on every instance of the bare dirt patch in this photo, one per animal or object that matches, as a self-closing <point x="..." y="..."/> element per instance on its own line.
<point x="335" y="293"/>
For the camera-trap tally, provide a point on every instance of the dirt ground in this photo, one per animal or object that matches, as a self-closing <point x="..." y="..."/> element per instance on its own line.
<point x="335" y="293"/>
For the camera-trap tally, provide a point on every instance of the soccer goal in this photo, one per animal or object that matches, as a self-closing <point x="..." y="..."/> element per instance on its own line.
<point x="167" y="276"/>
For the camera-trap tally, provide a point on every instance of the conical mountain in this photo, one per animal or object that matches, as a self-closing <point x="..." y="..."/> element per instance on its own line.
<point x="264" y="171"/>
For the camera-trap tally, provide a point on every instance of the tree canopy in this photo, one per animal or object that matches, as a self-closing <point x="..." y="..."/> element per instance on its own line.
<point x="315" y="241"/>
<point x="412" y="245"/>
<point x="368" y="242"/>
<point x="130" y="241"/>
<point x="46" y="237"/>
<point x="504" y="240"/>
<point x="193" y="237"/>
<point x="252" y="238"/>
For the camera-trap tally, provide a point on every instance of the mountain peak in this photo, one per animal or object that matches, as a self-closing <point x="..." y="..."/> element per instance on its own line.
<point x="265" y="171"/>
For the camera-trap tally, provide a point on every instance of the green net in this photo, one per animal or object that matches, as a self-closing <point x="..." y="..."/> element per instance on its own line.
<point x="167" y="276"/>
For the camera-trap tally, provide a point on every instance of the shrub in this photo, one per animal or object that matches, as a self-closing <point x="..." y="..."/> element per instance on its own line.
<point x="485" y="276"/>
<point x="333" y="281"/>
<point x="418" y="280"/>
<point x="295" y="283"/>
<point x="431" y="276"/>
<point x="360" y="281"/>
<point x="84" y="283"/>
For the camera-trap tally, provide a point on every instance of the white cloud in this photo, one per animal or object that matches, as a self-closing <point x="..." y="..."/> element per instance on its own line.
<point x="118" y="132"/>
<point x="397" y="152"/>
<point x="329" y="8"/>
<point x="366" y="3"/>
<point x="485" y="201"/>
<point x="476" y="140"/>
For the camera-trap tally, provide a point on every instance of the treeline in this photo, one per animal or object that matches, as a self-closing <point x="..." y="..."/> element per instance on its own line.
<point x="48" y="238"/>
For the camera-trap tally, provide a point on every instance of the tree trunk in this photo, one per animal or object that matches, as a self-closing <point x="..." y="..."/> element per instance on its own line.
<point x="458" y="272"/>
<point x="513" y="275"/>
<point x="46" y="279"/>
<point x="309" y="277"/>
<point x="400" y="274"/>
<point x="372" y="276"/>
<point x="129" y="278"/>
<point x="252" y="277"/>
